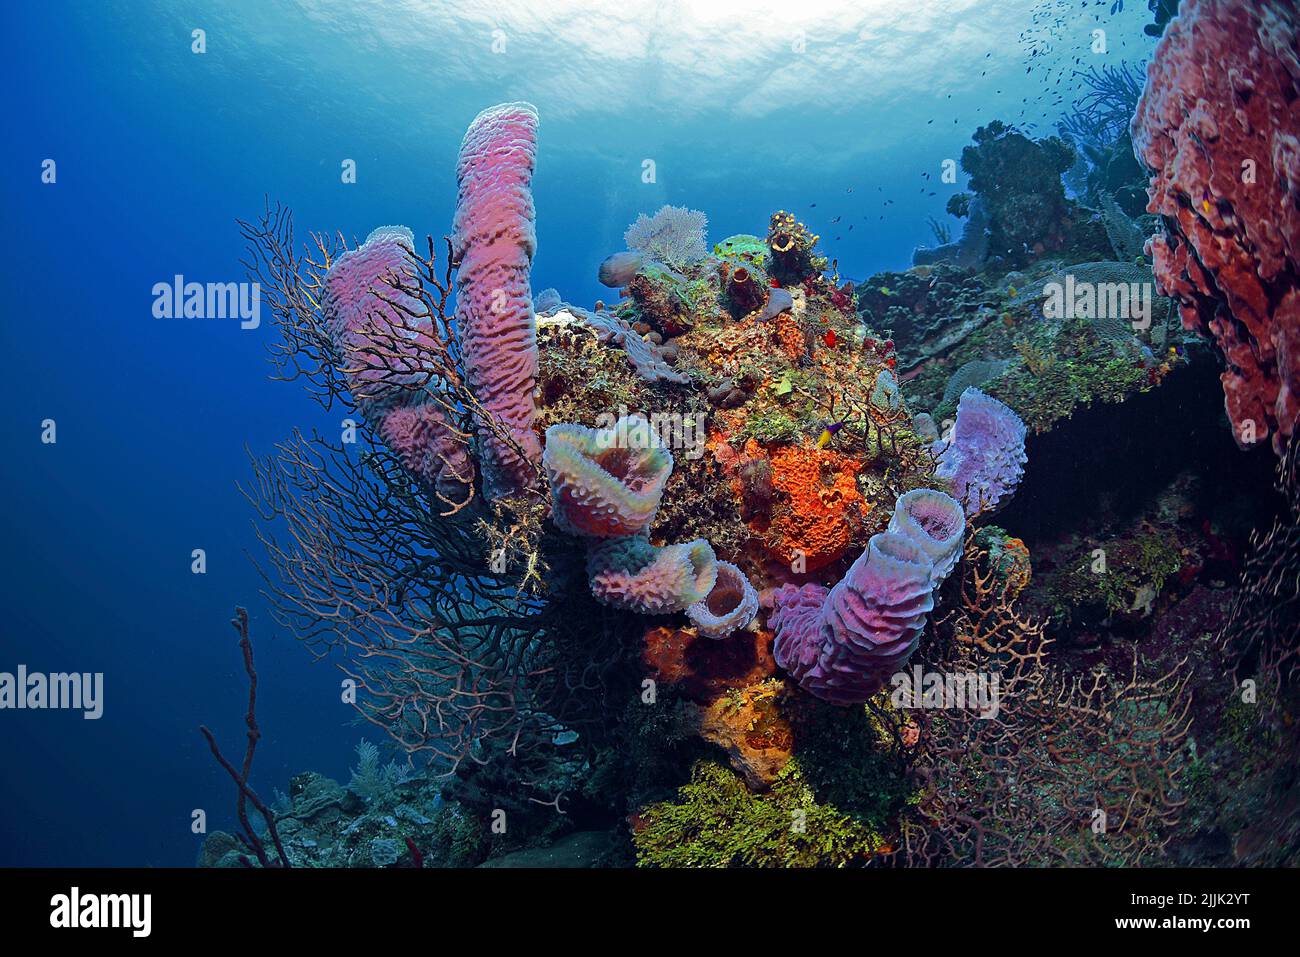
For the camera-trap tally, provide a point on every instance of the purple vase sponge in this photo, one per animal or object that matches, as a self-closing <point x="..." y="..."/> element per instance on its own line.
<point x="935" y="523"/>
<point x="728" y="607"/>
<point x="984" y="457"/>
<point x="842" y="645"/>
<point x="605" y="482"/>
<point x="632" y="574"/>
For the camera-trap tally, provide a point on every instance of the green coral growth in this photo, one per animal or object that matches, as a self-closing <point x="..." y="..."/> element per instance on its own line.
<point x="742" y="248"/>
<point x="718" y="822"/>
<point x="1135" y="571"/>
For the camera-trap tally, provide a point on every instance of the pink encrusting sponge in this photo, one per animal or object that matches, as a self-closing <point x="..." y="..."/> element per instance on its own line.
<point x="494" y="240"/>
<point x="843" y="644"/>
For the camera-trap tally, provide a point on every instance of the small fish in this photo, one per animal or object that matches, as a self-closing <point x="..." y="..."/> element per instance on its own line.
<point x="1011" y="291"/>
<point x="785" y="386"/>
<point x="886" y="291"/>
<point x="830" y="338"/>
<point x="828" y="433"/>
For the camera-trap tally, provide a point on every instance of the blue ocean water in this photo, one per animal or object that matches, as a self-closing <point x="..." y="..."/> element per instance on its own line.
<point x="837" y="110"/>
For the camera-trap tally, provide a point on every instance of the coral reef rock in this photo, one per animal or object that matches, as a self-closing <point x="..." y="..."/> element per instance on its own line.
<point x="1219" y="126"/>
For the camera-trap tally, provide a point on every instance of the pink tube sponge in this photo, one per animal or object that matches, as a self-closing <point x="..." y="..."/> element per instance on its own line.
<point x="935" y="523"/>
<point x="430" y="448"/>
<point x="728" y="607"/>
<point x="632" y="574"/>
<point x="843" y="645"/>
<point x="494" y="241"/>
<point x="605" y="482"/>
<point x="378" y="345"/>
<point x="984" y="457"/>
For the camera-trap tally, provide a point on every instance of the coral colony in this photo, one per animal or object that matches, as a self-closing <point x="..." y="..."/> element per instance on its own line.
<point x="649" y="574"/>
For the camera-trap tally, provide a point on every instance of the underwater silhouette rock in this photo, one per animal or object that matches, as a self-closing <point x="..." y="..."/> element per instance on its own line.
<point x="1219" y="127"/>
<point x="1019" y="181"/>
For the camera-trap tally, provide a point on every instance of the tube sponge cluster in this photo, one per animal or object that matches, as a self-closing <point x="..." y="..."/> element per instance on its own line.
<point x="494" y="240"/>
<point x="842" y="644"/>
<point x="606" y="485"/>
<point x="984" y="457"/>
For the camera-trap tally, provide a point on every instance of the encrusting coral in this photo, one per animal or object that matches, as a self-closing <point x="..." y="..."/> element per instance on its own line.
<point x="1219" y="127"/>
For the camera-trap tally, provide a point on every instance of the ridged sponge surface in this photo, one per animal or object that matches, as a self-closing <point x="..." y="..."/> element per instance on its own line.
<point x="605" y="482"/>
<point x="495" y="239"/>
<point x="378" y="345"/>
<point x="934" y="522"/>
<point x="728" y="607"/>
<point x="843" y="644"/>
<point x="424" y="442"/>
<point x="632" y="574"/>
<point x="985" y="455"/>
